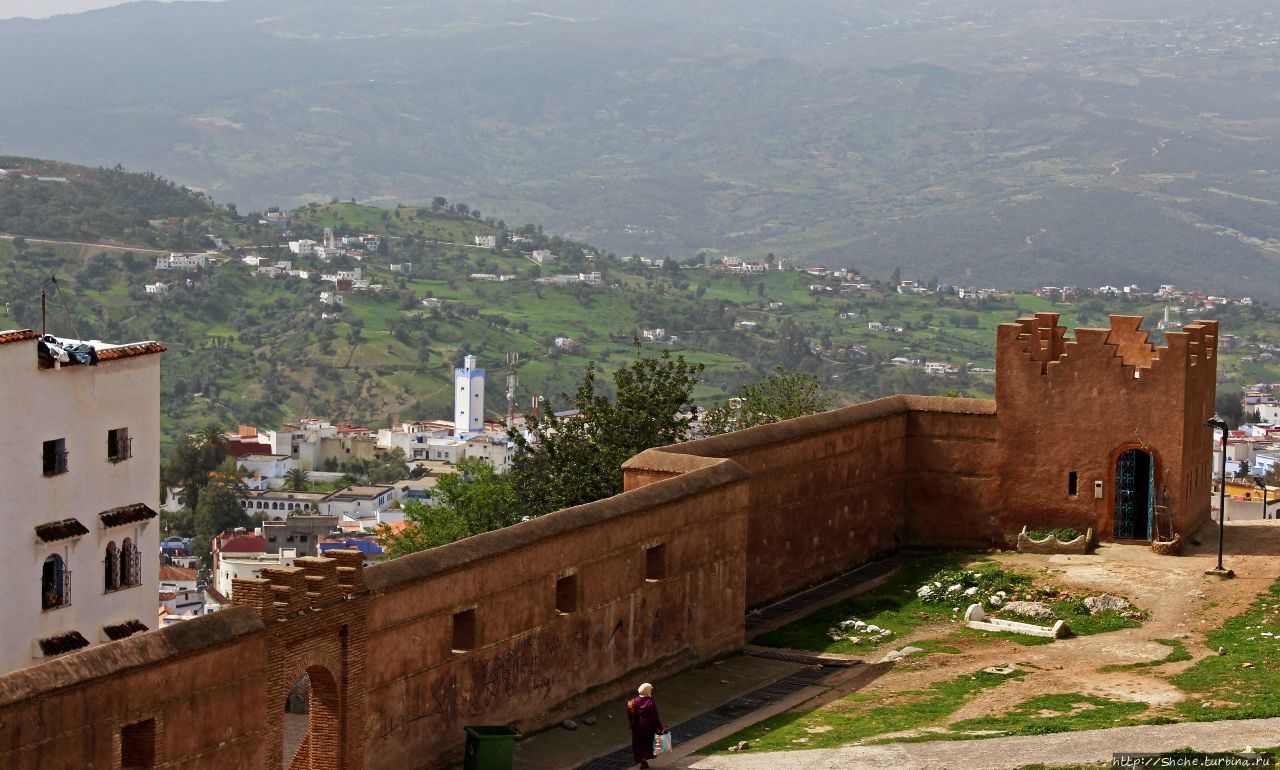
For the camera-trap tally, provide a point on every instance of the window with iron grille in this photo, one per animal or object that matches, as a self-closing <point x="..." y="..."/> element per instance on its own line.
<point x="119" y="445"/>
<point x="55" y="583"/>
<point x="55" y="456"/>
<point x="130" y="564"/>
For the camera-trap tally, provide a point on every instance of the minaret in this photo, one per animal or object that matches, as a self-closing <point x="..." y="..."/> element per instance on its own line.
<point x="468" y="399"/>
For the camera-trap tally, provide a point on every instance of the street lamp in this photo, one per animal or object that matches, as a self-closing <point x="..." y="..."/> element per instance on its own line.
<point x="1262" y="484"/>
<point x="1221" y="425"/>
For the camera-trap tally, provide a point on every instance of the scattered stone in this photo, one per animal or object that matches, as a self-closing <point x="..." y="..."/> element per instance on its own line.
<point x="724" y="681"/>
<point x="1002" y="670"/>
<point x="569" y="724"/>
<point x="1206" y="705"/>
<point x="1196" y="593"/>
<point x="893" y="655"/>
<point x="1037" y="610"/>
<point x="1222" y="650"/>
<point x="589" y="720"/>
<point x="1104" y="602"/>
<point x="1246" y="664"/>
<point x="1049" y="591"/>
<point x="1182" y="635"/>
<point x="742" y="746"/>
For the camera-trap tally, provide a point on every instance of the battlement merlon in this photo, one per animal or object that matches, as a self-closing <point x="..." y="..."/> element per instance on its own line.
<point x="1039" y="343"/>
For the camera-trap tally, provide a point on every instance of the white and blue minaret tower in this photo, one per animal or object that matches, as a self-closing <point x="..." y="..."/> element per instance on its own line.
<point x="468" y="399"/>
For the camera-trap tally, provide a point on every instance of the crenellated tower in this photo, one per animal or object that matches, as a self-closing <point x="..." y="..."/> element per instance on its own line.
<point x="1105" y="430"/>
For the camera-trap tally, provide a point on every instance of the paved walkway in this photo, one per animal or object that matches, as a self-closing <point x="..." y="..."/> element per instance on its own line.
<point x="1083" y="747"/>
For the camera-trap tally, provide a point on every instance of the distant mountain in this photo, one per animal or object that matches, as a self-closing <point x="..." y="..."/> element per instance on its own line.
<point x="47" y="199"/>
<point x="1001" y="142"/>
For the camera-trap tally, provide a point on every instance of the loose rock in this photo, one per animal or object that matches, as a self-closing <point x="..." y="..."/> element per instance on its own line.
<point x="900" y="654"/>
<point x="590" y="720"/>
<point x="1104" y="602"/>
<point x="1038" y="610"/>
<point x="569" y="724"/>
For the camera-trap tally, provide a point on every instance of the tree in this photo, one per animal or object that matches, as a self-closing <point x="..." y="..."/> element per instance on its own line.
<point x="780" y="396"/>
<point x="1229" y="404"/>
<point x="189" y="466"/>
<point x="473" y="499"/>
<point x="568" y="460"/>
<point x="219" y="511"/>
<point x="298" y="479"/>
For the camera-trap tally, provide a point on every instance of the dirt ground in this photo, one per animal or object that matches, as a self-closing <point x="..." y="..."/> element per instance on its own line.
<point x="1182" y="601"/>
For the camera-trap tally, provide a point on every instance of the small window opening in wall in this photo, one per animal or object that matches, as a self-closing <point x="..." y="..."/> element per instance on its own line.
<point x="567" y="594"/>
<point x="138" y="745"/>
<point x="119" y="445"/>
<point x="55" y="457"/>
<point x="464" y="630"/>
<point x="1073" y="483"/>
<point x="655" y="562"/>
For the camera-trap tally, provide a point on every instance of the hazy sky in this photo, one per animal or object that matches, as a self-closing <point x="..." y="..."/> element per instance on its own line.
<point x="39" y="9"/>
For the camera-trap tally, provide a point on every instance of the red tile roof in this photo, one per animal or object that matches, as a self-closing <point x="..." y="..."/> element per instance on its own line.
<point x="244" y="544"/>
<point x="174" y="574"/>
<point x="130" y="351"/>
<point x="20" y="335"/>
<point x="126" y="514"/>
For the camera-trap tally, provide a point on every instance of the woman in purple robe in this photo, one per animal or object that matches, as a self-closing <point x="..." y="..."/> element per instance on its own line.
<point x="642" y="713"/>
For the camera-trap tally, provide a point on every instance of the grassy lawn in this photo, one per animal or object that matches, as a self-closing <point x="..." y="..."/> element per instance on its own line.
<point x="1055" y="714"/>
<point x="1244" y="682"/>
<point x="896" y="606"/>
<point x="1177" y="653"/>
<point x="863" y="715"/>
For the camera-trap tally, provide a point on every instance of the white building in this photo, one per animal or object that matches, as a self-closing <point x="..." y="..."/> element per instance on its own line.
<point x="468" y="399"/>
<point x="591" y="279"/>
<point x="264" y="469"/>
<point x="330" y="298"/>
<point x="542" y="256"/>
<point x="181" y="262"/>
<point x="487" y="241"/>
<point x="303" y="248"/>
<point x="156" y="288"/>
<point x="80" y="493"/>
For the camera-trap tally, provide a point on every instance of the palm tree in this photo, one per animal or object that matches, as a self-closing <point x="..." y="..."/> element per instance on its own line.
<point x="298" y="479"/>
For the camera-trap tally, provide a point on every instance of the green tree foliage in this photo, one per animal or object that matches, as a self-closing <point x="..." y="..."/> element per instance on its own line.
<point x="562" y="461"/>
<point x="219" y="510"/>
<point x="190" y="464"/>
<point x="1229" y="404"/>
<point x="780" y="396"/>
<point x="473" y="499"/>
<point x="384" y="468"/>
<point x="298" y="479"/>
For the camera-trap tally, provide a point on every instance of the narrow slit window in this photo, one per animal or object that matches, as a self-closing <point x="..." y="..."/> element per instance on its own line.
<point x="655" y="562"/>
<point x="1073" y="483"/>
<point x="464" y="630"/>
<point x="567" y="594"/>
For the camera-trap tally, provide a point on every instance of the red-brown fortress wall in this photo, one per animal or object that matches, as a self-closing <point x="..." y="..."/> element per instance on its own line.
<point x="570" y="610"/>
<point x="204" y="683"/>
<point x="531" y="663"/>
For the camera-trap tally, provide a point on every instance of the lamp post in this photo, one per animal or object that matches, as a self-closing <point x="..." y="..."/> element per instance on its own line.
<point x="1221" y="425"/>
<point x="1262" y="484"/>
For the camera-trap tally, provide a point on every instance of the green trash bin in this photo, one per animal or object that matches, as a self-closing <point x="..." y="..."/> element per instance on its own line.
<point x="490" y="747"/>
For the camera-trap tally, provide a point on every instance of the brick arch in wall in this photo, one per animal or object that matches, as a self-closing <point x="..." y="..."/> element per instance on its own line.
<point x="319" y="746"/>
<point x="315" y="614"/>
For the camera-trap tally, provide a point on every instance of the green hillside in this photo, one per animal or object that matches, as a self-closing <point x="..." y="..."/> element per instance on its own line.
<point x="62" y="201"/>
<point x="247" y="348"/>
